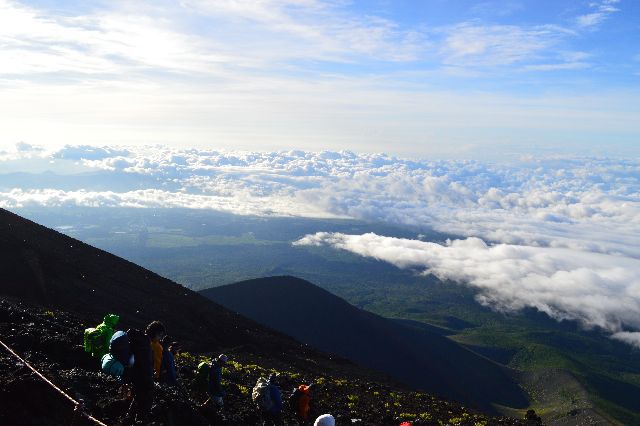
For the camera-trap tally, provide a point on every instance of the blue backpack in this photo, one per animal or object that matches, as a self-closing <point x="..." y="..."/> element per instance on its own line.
<point x="120" y="348"/>
<point x="112" y="366"/>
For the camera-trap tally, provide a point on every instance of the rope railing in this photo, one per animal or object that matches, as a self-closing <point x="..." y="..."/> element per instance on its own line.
<point x="78" y="409"/>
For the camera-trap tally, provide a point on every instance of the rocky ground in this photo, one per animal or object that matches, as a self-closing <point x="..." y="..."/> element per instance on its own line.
<point x="50" y="340"/>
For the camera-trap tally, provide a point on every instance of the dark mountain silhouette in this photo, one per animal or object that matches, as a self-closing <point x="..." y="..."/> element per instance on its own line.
<point x="417" y="356"/>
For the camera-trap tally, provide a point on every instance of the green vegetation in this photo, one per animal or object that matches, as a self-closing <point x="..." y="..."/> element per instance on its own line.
<point x="357" y="400"/>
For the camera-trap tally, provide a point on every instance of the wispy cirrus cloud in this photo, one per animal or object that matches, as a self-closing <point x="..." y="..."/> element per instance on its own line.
<point x="476" y="45"/>
<point x="601" y="11"/>
<point x="104" y="44"/>
<point x="231" y="36"/>
<point x="316" y="30"/>
<point x="296" y="74"/>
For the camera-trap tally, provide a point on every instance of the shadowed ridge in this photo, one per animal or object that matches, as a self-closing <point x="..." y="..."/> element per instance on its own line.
<point x="418" y="357"/>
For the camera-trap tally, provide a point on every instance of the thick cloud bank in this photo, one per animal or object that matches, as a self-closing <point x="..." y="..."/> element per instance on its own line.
<point x="559" y="234"/>
<point x="598" y="290"/>
<point x="585" y="204"/>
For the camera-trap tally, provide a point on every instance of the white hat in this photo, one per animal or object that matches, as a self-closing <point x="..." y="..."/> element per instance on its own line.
<point x="325" y="420"/>
<point x="222" y="358"/>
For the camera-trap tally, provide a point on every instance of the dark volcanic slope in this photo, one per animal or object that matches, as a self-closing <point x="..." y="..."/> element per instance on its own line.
<point x="45" y="267"/>
<point x="418" y="357"/>
<point x="49" y="340"/>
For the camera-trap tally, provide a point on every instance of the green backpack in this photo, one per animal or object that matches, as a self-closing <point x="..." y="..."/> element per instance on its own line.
<point x="96" y="339"/>
<point x="92" y="337"/>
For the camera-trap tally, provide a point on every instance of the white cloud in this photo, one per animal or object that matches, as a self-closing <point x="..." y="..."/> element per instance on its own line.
<point x="21" y="151"/>
<point x="602" y="10"/>
<point x="107" y="45"/>
<point x="291" y="74"/>
<point x="88" y="152"/>
<point x="584" y="204"/>
<point x="311" y="29"/>
<point x="240" y="202"/>
<point x="471" y="44"/>
<point x="558" y="227"/>
<point x="632" y="338"/>
<point x="223" y="39"/>
<point x="144" y="41"/>
<point x="595" y="289"/>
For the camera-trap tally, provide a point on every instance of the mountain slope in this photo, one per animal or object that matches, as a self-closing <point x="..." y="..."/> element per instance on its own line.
<point x="417" y="356"/>
<point x="48" y="339"/>
<point x="63" y="285"/>
<point x="42" y="266"/>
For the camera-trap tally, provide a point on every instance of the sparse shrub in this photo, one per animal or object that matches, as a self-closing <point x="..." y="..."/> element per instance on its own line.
<point x="425" y="416"/>
<point x="234" y="364"/>
<point x="407" y="416"/>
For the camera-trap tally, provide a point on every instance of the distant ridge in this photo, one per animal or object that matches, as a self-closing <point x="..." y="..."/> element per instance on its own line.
<point x="417" y="356"/>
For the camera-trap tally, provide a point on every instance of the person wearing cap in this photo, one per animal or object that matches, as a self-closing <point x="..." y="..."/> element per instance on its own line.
<point x="156" y="333"/>
<point x="215" y="390"/>
<point x="325" y="420"/>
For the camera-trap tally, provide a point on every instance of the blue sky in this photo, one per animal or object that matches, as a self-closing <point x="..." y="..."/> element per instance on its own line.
<point x="461" y="79"/>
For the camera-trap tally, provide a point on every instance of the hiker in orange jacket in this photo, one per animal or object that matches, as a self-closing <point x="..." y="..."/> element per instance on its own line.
<point x="156" y="332"/>
<point x="304" y="401"/>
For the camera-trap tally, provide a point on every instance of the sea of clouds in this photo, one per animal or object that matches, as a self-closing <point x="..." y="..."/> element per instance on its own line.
<point x="558" y="234"/>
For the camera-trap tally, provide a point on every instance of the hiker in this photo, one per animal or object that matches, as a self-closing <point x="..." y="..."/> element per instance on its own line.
<point x="201" y="381"/>
<point x="272" y="411"/>
<point x="96" y="340"/>
<point x="157" y="350"/>
<point x="300" y="403"/>
<point x="141" y="374"/>
<point x="120" y="348"/>
<point x="532" y="419"/>
<point x="214" y="384"/>
<point x="325" y="420"/>
<point x="168" y="369"/>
